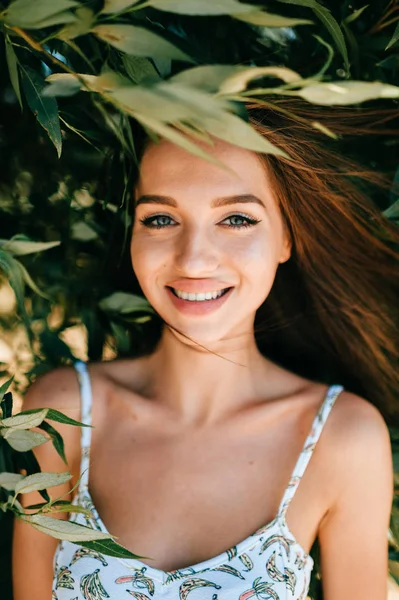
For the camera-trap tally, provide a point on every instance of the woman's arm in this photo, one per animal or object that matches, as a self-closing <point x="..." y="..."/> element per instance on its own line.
<point x="354" y="534"/>
<point x="33" y="551"/>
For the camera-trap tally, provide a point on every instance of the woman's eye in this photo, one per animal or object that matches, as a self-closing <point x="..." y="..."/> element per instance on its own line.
<point x="240" y="221"/>
<point x="157" y="221"/>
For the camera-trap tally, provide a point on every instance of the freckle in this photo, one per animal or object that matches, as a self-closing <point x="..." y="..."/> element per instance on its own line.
<point x="251" y="462"/>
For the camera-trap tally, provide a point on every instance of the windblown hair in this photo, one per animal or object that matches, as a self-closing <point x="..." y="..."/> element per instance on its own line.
<point x="332" y="314"/>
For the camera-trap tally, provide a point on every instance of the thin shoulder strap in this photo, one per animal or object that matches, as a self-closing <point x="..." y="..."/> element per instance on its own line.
<point x="86" y="403"/>
<point x="309" y="446"/>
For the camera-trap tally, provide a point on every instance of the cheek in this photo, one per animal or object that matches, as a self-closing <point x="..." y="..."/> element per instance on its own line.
<point x="148" y="258"/>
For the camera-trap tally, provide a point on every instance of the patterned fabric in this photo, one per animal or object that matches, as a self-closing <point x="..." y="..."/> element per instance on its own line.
<point x="269" y="564"/>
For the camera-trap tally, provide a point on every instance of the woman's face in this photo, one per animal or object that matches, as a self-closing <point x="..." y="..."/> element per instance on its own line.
<point x="206" y="241"/>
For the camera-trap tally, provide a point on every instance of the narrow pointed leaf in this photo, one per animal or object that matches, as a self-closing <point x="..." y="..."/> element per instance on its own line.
<point x="116" y="6"/>
<point x="122" y="302"/>
<point x="110" y="548"/>
<point x="265" y="19"/>
<point x="4" y="387"/>
<point x="23" y="439"/>
<point x="56" y="438"/>
<point x="65" y="530"/>
<point x="28" y="14"/>
<point x="19" y="247"/>
<point x="10" y="480"/>
<point x="45" y="109"/>
<point x="12" y="63"/>
<point x="139" y="41"/>
<point x="56" y="415"/>
<point x="347" y="92"/>
<point x="394" y="38"/>
<point x="22" y="421"/>
<point x="41" y="481"/>
<point x="202" y="7"/>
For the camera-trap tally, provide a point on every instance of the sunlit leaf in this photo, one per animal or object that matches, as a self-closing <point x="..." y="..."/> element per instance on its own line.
<point x="23" y="439"/>
<point x="394" y="38"/>
<point x="41" y="481"/>
<point x="116" y="6"/>
<point x="40" y="13"/>
<point x="65" y="530"/>
<point x="138" y="41"/>
<point x="392" y="212"/>
<point x="124" y="303"/>
<point x="12" y="270"/>
<point x="83" y="23"/>
<point x="23" y="421"/>
<point x="206" y="77"/>
<point x="83" y="232"/>
<point x="155" y="103"/>
<point x="56" y="415"/>
<point x="10" y="480"/>
<point x="12" y="63"/>
<point x="265" y="19"/>
<point x="202" y="7"/>
<point x="347" y="92"/>
<point x="238" y="82"/>
<point x="45" y="109"/>
<point x="20" y="247"/>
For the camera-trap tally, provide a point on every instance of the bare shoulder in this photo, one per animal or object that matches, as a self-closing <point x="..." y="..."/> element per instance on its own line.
<point x="58" y="389"/>
<point x="358" y="446"/>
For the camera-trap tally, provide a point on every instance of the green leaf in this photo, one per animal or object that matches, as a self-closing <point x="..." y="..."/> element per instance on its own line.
<point x="124" y="303"/>
<point x="394" y="38"/>
<point x="139" y="41"/>
<point x="38" y="14"/>
<point x="83" y="22"/>
<point x="355" y="15"/>
<point x="12" y="270"/>
<point x="219" y="122"/>
<point x="116" y="6"/>
<point x="139" y="68"/>
<point x="264" y="19"/>
<point x="347" y="92"/>
<point x="171" y="134"/>
<point x="111" y="548"/>
<point x="45" y="109"/>
<point x="10" y="480"/>
<point x="65" y="530"/>
<point x="23" y="421"/>
<point x="41" y="481"/>
<point x="22" y="439"/>
<point x="12" y="63"/>
<point x="206" y="77"/>
<point x="237" y="82"/>
<point x="20" y="247"/>
<point x="202" y="7"/>
<point x="329" y="22"/>
<point x="152" y="102"/>
<point x="56" y="415"/>
<point x="392" y="212"/>
<point x="4" y="387"/>
<point x="56" y="438"/>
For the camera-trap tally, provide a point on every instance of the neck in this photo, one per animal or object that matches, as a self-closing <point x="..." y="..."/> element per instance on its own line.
<point x="201" y="385"/>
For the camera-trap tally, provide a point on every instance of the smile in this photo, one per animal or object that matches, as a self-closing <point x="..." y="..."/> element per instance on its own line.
<point x="201" y="297"/>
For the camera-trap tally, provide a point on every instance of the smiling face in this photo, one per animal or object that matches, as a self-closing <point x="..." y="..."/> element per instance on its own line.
<point x="206" y="241"/>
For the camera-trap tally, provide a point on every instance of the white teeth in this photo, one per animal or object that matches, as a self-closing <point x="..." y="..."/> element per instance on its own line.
<point x="198" y="297"/>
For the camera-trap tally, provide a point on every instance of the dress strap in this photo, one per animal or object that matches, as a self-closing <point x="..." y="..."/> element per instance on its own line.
<point x="308" y="447"/>
<point x="86" y="400"/>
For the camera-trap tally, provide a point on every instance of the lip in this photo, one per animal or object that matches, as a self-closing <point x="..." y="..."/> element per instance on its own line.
<point x="189" y="307"/>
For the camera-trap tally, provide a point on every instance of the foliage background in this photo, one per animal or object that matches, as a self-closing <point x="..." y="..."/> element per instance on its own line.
<point x="82" y="301"/>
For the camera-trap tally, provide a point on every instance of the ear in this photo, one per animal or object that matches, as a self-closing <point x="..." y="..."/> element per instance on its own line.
<point x="286" y="247"/>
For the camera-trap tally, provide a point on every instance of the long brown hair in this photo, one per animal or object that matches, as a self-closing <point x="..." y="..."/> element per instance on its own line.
<point x="332" y="313"/>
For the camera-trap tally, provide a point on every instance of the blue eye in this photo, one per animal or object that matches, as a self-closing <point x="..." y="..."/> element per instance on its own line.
<point x="163" y="221"/>
<point x="240" y="221"/>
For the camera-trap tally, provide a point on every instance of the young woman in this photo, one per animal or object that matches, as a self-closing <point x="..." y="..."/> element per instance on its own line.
<point x="210" y="457"/>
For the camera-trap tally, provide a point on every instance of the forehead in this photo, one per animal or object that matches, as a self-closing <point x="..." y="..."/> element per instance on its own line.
<point x="169" y="169"/>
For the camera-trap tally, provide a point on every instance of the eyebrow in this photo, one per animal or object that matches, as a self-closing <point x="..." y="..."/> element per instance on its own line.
<point x="218" y="202"/>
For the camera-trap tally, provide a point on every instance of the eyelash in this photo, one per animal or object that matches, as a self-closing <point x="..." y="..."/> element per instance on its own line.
<point x="250" y="222"/>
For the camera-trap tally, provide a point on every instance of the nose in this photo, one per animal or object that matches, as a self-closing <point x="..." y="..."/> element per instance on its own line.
<point x="196" y="253"/>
